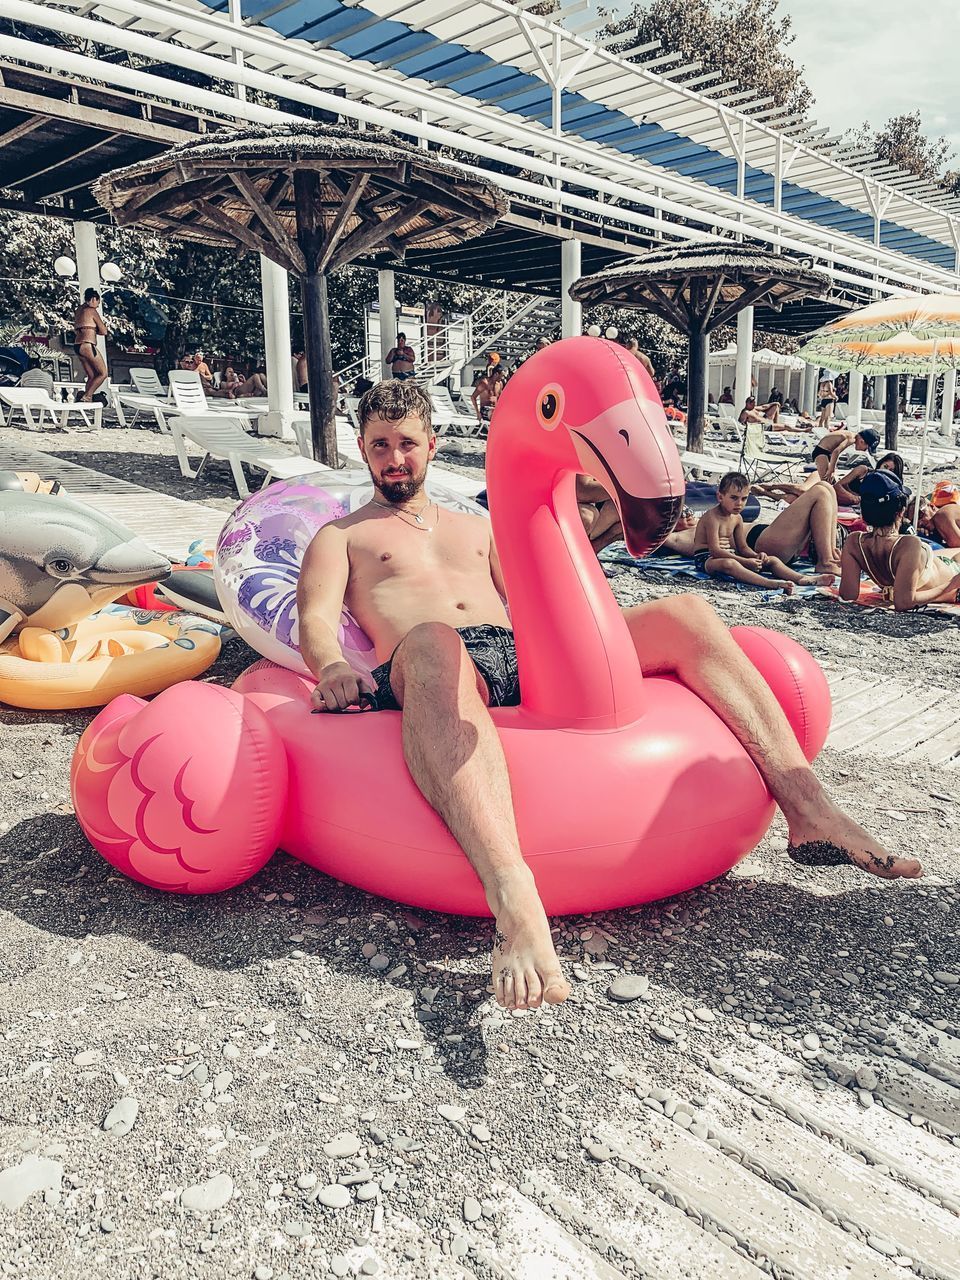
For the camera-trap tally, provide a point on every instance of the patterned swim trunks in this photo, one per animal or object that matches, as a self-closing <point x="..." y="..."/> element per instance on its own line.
<point x="491" y="650"/>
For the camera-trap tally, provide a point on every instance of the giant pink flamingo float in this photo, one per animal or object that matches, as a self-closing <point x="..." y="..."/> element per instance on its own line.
<point x="625" y="788"/>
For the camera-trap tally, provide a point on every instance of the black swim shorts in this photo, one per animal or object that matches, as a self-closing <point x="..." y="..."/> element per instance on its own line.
<point x="491" y="650"/>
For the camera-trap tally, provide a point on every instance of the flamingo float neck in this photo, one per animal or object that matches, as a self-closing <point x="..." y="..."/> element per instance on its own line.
<point x="576" y="406"/>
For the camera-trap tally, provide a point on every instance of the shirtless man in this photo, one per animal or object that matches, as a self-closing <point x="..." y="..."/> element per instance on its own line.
<point x="425" y="584"/>
<point x="401" y="358"/>
<point x="88" y="326"/>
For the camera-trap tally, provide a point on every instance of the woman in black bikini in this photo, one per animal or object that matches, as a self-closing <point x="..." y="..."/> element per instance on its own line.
<point x="826" y="399"/>
<point x="906" y="569"/>
<point x="87" y="327"/>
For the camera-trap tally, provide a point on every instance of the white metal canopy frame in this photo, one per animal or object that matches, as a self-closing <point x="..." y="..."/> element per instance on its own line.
<point x="563" y="181"/>
<point x="312" y="198"/>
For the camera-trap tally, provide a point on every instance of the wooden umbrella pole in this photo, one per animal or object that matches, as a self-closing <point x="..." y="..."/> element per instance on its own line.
<point x="696" y="388"/>
<point x="316" y="318"/>
<point x="891" y="411"/>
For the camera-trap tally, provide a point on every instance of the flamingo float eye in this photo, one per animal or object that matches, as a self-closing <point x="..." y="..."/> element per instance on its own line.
<point x="626" y="436"/>
<point x="550" y="407"/>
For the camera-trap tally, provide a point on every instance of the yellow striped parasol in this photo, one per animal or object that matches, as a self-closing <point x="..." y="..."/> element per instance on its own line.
<point x="913" y="334"/>
<point x="931" y="316"/>
<point x="901" y="354"/>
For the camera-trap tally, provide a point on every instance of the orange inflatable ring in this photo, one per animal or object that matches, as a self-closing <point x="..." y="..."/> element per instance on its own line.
<point x="116" y="651"/>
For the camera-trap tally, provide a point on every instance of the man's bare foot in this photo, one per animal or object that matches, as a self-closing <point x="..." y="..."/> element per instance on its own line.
<point x="833" y="838"/>
<point x="786" y="588"/>
<point x="829" y="568"/>
<point x="526" y="970"/>
<point x="817" y="579"/>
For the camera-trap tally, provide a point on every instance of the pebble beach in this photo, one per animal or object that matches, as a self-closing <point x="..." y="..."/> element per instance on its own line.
<point x="295" y="1079"/>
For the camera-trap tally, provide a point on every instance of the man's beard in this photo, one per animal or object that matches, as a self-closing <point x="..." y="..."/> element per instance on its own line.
<point x="400" y="490"/>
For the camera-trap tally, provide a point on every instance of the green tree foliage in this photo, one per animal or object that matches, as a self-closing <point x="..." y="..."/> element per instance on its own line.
<point x="902" y="141"/>
<point x="746" y="40"/>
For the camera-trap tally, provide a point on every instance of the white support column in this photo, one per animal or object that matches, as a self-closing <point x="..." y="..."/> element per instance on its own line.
<point x="278" y="420"/>
<point x="949" y="395"/>
<point x="88" y="269"/>
<point x="388" y="317"/>
<point x="879" y="392"/>
<point x="809" y="390"/>
<point x="744" y="377"/>
<point x="908" y="392"/>
<point x="855" y="397"/>
<point x="571" y="313"/>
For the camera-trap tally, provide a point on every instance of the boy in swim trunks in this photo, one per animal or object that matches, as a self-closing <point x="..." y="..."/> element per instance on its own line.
<point x="721" y="548"/>
<point x="425" y="584"/>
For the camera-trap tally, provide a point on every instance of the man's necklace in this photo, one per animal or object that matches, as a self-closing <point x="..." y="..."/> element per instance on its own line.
<point x="417" y="516"/>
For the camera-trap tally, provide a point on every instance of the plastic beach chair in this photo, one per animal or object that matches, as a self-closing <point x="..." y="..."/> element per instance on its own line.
<point x="447" y="417"/>
<point x="223" y="437"/>
<point x="30" y="400"/>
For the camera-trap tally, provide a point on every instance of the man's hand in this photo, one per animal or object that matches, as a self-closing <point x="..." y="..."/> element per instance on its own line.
<point x="340" y="687"/>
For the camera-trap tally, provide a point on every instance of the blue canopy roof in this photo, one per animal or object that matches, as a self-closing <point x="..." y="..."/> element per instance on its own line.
<point x="358" y="33"/>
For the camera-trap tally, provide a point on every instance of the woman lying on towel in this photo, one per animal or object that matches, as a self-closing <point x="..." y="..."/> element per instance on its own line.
<point x="904" y="567"/>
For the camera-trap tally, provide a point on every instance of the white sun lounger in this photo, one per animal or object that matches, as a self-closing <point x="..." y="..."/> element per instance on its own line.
<point x="220" y="436"/>
<point x="34" y="400"/>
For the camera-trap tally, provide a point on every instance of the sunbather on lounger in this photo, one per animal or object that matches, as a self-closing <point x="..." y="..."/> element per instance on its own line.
<point x="721" y="547"/>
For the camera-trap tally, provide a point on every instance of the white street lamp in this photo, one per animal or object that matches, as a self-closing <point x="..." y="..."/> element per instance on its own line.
<point x="110" y="273"/>
<point x="64" y="266"/>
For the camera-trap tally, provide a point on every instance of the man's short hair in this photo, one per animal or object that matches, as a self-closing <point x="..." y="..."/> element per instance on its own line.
<point x="393" y="401"/>
<point x="401" y="335"/>
<point x="90" y="294"/>
<point x="733" y="480"/>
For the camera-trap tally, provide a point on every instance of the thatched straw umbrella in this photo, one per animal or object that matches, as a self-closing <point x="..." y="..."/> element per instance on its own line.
<point x="312" y="198"/>
<point x="697" y="288"/>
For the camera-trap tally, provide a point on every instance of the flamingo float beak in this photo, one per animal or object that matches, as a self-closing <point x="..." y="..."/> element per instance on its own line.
<point x="646" y="521"/>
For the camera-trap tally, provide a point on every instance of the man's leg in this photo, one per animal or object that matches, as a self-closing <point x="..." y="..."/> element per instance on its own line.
<point x="812" y="515"/>
<point x="454" y="755"/>
<point x="682" y="636"/>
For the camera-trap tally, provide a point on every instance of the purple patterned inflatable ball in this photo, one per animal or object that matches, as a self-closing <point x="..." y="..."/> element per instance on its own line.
<point x="261" y="548"/>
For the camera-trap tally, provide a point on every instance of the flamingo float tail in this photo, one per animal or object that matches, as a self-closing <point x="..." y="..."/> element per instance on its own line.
<point x="184" y="793"/>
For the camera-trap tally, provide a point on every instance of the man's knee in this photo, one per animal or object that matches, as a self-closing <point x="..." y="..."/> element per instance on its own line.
<point x="433" y="643"/>
<point x="695" y="622"/>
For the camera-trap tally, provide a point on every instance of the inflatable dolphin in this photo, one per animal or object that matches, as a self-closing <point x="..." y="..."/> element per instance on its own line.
<point x="61" y="561"/>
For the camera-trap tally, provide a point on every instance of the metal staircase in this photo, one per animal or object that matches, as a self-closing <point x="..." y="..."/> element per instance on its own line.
<point x="509" y="323"/>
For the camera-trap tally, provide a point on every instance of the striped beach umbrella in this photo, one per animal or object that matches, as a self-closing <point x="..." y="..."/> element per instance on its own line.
<point x="918" y="334"/>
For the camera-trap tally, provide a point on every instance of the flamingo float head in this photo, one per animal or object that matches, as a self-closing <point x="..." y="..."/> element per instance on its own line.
<point x="587" y="405"/>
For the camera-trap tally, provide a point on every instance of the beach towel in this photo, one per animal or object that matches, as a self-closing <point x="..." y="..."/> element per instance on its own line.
<point x="683" y="567"/>
<point x="871" y="597"/>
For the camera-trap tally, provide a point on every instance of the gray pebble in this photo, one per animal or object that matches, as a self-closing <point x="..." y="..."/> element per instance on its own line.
<point x="369" y="1267"/>
<point x="380" y="962"/>
<point x="597" y="1151"/>
<point x="107" y="1224"/>
<point x="334" y="1197"/>
<point x="306" y="1181"/>
<point x="262" y="1272"/>
<point x="121" y="1117"/>
<point x="204" y="1197"/>
<point x="339" y="1265"/>
<point x="629" y="986"/>
<point x="472" y="1211"/>
<point x="342" y="1146"/>
<point x="663" y="1033"/>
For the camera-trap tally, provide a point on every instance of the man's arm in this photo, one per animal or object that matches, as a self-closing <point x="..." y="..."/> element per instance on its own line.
<point x="390" y="356"/>
<point x="320" y="590"/>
